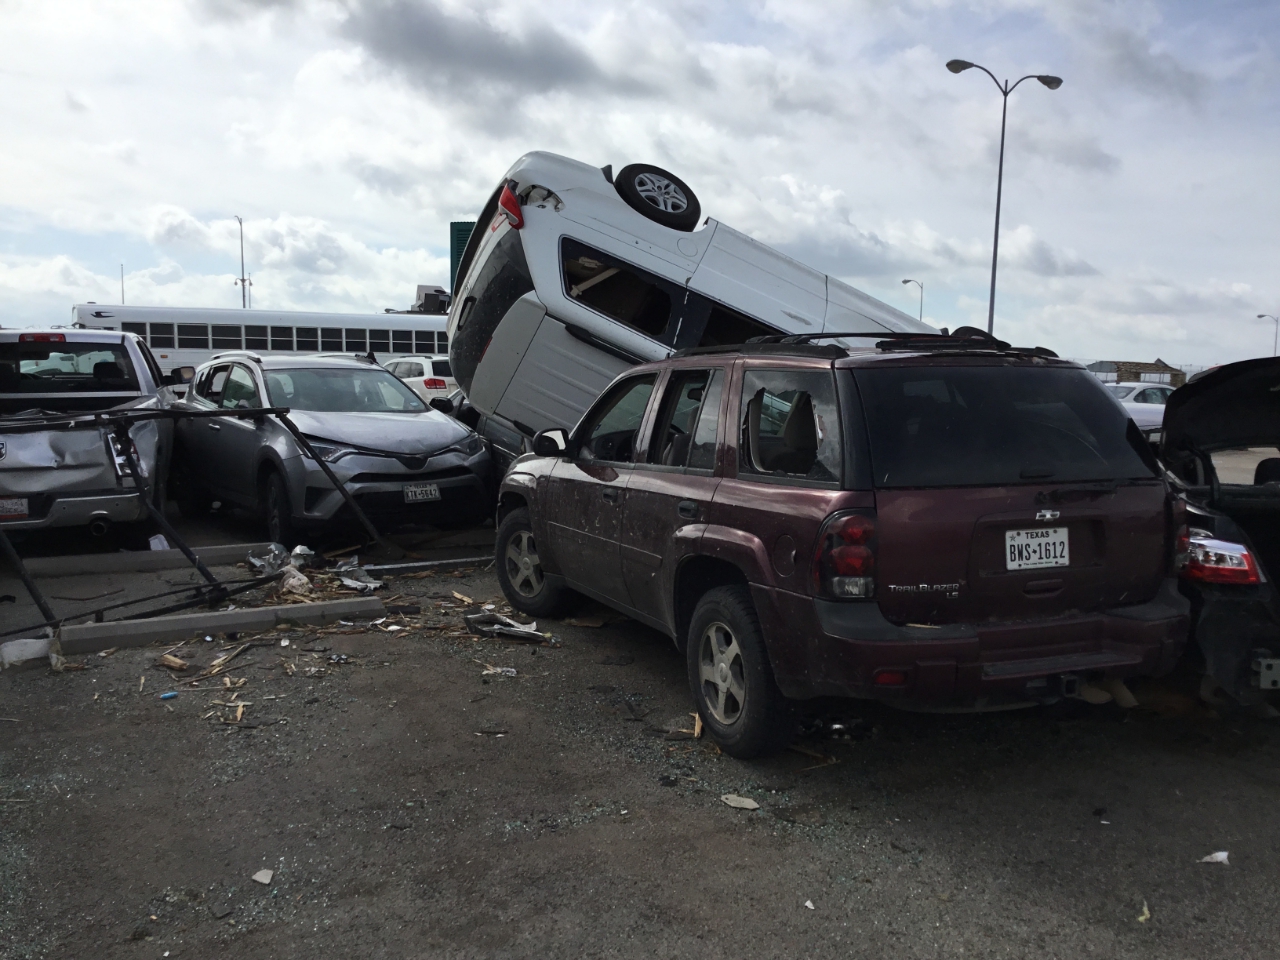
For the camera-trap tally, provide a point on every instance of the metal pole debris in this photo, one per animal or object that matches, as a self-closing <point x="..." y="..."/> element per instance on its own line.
<point x="12" y="556"/>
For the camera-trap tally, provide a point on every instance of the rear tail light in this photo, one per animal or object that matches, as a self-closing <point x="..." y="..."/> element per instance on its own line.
<point x="434" y="383"/>
<point x="42" y="338"/>
<point x="121" y="462"/>
<point x="510" y="205"/>
<point x="890" y="678"/>
<point x="1207" y="560"/>
<point x="845" y="559"/>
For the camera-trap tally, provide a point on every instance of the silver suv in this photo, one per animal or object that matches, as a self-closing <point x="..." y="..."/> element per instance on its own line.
<point x="404" y="463"/>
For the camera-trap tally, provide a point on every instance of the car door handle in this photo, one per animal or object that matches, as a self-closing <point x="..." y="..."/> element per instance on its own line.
<point x="214" y="426"/>
<point x="687" y="509"/>
<point x="610" y="495"/>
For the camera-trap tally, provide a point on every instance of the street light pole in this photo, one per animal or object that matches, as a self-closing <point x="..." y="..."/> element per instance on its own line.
<point x="1275" y="340"/>
<point x="242" y="279"/>
<point x="1053" y="83"/>
<point x="921" y="286"/>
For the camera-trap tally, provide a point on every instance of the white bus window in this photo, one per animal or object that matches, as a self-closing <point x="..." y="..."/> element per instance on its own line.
<point x="424" y="341"/>
<point x="193" y="336"/>
<point x="308" y="338"/>
<point x="726" y="326"/>
<point x="255" y="338"/>
<point x="331" y="339"/>
<point x="139" y="328"/>
<point x="620" y="292"/>
<point x="282" y="338"/>
<point x="162" y="335"/>
<point x="402" y="341"/>
<point x="380" y="341"/>
<point x="442" y="342"/>
<point x="355" y="341"/>
<point x="227" y="338"/>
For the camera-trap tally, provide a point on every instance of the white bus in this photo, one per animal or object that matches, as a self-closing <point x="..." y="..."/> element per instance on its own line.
<point x="188" y="336"/>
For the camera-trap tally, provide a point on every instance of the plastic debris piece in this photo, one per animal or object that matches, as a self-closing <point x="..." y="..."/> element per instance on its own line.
<point x="264" y="876"/>
<point x="292" y="581"/>
<point x="302" y="557"/>
<point x="171" y="695"/>
<point x="496" y="625"/>
<point x="491" y="670"/>
<point x="158" y="542"/>
<point x="808" y="905"/>
<point x="273" y="560"/>
<point x="1145" y="915"/>
<point x="1219" y="857"/>
<point x="284" y="642"/>
<point x="739" y="803"/>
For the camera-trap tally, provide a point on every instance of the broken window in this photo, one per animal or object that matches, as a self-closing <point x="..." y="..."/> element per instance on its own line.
<point x="726" y="326"/>
<point x="619" y="291"/>
<point x="790" y="427"/>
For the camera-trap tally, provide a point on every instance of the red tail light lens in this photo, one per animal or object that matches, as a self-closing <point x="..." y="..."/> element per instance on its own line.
<point x="844" y="562"/>
<point x="435" y="383"/>
<point x="41" y="338"/>
<point x="510" y="205"/>
<point x="1217" y="561"/>
<point x="890" y="678"/>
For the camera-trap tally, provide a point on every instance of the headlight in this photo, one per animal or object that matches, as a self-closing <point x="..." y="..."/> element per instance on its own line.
<point x="470" y="446"/>
<point x="329" y="452"/>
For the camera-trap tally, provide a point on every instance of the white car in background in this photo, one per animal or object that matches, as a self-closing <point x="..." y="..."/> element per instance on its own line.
<point x="1143" y="401"/>
<point x="427" y="376"/>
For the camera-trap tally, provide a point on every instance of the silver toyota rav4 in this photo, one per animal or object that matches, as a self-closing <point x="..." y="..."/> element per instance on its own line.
<point x="404" y="463"/>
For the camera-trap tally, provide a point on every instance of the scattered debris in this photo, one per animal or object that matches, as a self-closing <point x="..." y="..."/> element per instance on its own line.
<point x="158" y="542"/>
<point x="496" y="625"/>
<point x="1123" y="697"/>
<point x="1145" y="915"/>
<point x="808" y="905"/>
<point x="302" y="557"/>
<point x="220" y="911"/>
<point x="274" y="559"/>
<point x="586" y="621"/>
<point x="491" y="670"/>
<point x="697" y="726"/>
<point x="172" y="662"/>
<point x="108" y="652"/>
<point x="292" y="581"/>
<point x="26" y="652"/>
<point x="462" y="596"/>
<point x="1219" y="857"/>
<point x="171" y="695"/>
<point x="264" y="876"/>
<point x="739" y="803"/>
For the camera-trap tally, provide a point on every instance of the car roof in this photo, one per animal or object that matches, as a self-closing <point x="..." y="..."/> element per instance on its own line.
<point x="72" y="334"/>
<point x="305" y="361"/>
<point x="1134" y="383"/>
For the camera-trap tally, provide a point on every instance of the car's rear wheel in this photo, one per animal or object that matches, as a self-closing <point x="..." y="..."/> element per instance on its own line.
<point x="659" y="195"/>
<point x="278" y="511"/>
<point x="733" y="685"/>
<point x="520" y="572"/>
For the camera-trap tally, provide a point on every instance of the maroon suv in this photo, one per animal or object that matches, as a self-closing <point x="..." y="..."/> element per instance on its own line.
<point x="932" y="521"/>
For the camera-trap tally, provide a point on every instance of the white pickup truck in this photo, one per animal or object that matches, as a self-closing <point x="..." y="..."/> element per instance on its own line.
<point x="77" y="478"/>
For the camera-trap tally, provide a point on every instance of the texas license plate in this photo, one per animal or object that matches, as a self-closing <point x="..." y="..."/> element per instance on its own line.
<point x="418" y="492"/>
<point x="1029" y="549"/>
<point x="14" y="509"/>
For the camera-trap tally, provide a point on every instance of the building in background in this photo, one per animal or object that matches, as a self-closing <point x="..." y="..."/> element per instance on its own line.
<point x="1135" y="371"/>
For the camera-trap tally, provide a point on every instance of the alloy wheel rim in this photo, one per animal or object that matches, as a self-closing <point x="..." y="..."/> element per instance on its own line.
<point x="722" y="673"/>
<point x="661" y="192"/>
<point x="524" y="570"/>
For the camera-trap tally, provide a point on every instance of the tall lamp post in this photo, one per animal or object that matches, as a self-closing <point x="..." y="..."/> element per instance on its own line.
<point x="1275" y="340"/>
<point x="1053" y="83"/>
<point x="921" y="286"/>
<point x="244" y="281"/>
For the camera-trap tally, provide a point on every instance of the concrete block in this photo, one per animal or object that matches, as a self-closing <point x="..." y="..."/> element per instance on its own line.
<point x="138" y="561"/>
<point x="91" y="637"/>
<point x="25" y="653"/>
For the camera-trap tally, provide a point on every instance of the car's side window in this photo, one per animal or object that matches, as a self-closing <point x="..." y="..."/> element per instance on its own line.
<point x="209" y="386"/>
<point x="411" y="370"/>
<point x="685" y="432"/>
<point x="240" y="392"/>
<point x="609" y="432"/>
<point x="790" y="426"/>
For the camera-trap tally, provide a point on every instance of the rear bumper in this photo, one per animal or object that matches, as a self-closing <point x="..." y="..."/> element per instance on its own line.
<point x="79" y="510"/>
<point x="826" y="648"/>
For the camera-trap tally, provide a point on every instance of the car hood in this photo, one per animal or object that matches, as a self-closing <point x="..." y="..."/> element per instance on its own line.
<point x="1236" y="405"/>
<point x="412" y="433"/>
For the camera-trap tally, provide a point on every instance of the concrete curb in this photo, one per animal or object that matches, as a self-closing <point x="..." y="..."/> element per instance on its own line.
<point x="138" y="561"/>
<point x="91" y="637"/>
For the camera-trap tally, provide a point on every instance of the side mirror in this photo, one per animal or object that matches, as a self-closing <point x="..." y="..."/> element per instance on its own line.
<point x="181" y="375"/>
<point x="443" y="404"/>
<point x="550" y="443"/>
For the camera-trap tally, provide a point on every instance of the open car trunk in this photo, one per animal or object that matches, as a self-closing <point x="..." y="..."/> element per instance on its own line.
<point x="1221" y="439"/>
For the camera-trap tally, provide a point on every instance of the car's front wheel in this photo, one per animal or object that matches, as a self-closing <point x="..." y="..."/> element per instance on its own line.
<point x="520" y="572"/>
<point x="733" y="685"/>
<point x="278" y="511"/>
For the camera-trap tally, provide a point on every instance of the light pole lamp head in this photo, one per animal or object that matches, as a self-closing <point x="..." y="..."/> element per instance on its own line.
<point x="1053" y="83"/>
<point x="959" y="66"/>
<point x="1264" y="316"/>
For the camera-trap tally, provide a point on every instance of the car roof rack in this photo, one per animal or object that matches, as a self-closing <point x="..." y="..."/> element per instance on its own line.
<point x="237" y="353"/>
<point x="756" y="346"/>
<point x="960" y="339"/>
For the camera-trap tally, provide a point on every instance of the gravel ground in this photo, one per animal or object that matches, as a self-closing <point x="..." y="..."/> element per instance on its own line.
<point x="411" y="806"/>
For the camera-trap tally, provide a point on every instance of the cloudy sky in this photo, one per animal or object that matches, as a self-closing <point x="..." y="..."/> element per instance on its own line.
<point x="1141" y="207"/>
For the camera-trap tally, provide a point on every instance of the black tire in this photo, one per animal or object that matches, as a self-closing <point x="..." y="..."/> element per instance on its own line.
<point x="277" y="511"/>
<point x="733" y="686"/>
<point x="659" y="195"/>
<point x="193" y="500"/>
<point x="520" y="571"/>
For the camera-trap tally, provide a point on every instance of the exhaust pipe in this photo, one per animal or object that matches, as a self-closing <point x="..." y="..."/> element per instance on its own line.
<point x="99" y="526"/>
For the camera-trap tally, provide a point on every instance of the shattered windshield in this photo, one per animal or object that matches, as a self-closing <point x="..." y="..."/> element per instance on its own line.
<point x="341" y="390"/>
